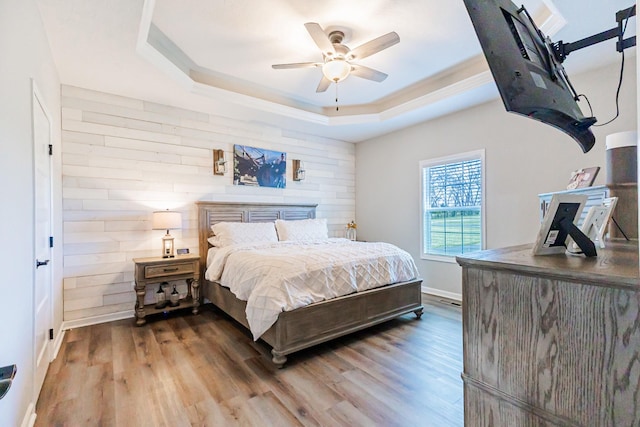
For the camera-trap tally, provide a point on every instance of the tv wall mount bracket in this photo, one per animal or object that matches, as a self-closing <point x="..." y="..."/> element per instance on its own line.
<point x="561" y="50"/>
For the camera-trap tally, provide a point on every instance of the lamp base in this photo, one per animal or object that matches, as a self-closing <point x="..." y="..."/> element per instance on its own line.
<point x="167" y="246"/>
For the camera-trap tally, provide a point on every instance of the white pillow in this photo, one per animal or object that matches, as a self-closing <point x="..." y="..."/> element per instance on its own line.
<point x="210" y="254"/>
<point x="305" y="229"/>
<point x="230" y="233"/>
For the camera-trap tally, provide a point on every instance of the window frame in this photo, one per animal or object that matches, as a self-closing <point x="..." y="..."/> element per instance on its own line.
<point x="439" y="161"/>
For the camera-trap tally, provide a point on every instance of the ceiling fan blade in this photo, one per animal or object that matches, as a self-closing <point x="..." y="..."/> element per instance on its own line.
<point x="296" y="65"/>
<point x="374" y="46"/>
<point x="322" y="40"/>
<point x="367" y="73"/>
<point x="323" y="85"/>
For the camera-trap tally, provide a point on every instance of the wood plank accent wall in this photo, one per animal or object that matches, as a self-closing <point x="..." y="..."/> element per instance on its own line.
<point x="123" y="158"/>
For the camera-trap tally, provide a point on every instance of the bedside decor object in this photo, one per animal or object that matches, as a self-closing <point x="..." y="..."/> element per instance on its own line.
<point x="351" y="231"/>
<point x="167" y="220"/>
<point x="219" y="163"/>
<point x="298" y="170"/>
<point x="583" y="178"/>
<point x="161" y="300"/>
<point x="174" y="298"/>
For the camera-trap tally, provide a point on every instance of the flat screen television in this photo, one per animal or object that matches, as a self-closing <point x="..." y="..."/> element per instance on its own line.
<point x="530" y="80"/>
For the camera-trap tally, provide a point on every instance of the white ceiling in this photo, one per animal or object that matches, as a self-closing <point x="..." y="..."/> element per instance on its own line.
<point x="216" y="56"/>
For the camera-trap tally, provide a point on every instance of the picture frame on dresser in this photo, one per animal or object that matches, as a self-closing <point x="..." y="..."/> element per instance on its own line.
<point x="597" y="219"/>
<point x="559" y="227"/>
<point x="582" y="178"/>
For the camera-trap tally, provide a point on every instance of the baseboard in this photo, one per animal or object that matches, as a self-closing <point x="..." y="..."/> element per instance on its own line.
<point x="29" y="419"/>
<point x="441" y="293"/>
<point x="111" y="317"/>
<point x="57" y="343"/>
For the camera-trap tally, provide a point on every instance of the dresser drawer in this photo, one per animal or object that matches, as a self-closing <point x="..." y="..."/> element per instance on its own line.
<point x="151" y="271"/>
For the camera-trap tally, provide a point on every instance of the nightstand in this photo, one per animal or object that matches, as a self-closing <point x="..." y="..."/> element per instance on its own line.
<point x="155" y="270"/>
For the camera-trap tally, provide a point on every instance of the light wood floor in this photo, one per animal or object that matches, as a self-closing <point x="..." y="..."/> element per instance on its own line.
<point x="205" y="370"/>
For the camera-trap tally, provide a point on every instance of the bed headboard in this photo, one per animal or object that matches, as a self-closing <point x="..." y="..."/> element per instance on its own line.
<point x="210" y="213"/>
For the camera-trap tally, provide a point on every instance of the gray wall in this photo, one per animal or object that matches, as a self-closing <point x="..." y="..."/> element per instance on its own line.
<point x="523" y="159"/>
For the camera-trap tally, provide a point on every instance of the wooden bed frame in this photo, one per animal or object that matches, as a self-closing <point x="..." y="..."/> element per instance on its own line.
<point x="318" y="322"/>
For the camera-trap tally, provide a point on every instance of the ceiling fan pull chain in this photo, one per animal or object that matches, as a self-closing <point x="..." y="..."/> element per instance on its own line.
<point x="337" y="108"/>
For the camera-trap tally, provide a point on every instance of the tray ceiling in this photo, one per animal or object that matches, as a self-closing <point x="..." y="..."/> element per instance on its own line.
<point x="217" y="55"/>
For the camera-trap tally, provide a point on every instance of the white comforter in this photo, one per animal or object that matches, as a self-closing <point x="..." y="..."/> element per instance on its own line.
<point x="282" y="276"/>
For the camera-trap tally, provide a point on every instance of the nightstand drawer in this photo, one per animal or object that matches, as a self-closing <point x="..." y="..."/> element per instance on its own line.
<point x="151" y="271"/>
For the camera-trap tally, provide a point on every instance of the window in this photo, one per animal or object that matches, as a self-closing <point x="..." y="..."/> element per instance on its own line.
<point x="452" y="191"/>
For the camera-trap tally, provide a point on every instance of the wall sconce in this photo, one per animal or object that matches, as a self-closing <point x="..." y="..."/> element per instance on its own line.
<point x="167" y="220"/>
<point x="219" y="163"/>
<point x="298" y="170"/>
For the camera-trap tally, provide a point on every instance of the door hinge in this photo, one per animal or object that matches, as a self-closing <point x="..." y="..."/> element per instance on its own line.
<point x="51" y="149"/>
<point x="50" y="241"/>
<point x="51" y="333"/>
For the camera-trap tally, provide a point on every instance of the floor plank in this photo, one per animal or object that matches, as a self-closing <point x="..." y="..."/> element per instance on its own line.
<point x="205" y="370"/>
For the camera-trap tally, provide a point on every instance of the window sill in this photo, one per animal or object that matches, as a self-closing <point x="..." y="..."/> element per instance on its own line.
<point x="451" y="259"/>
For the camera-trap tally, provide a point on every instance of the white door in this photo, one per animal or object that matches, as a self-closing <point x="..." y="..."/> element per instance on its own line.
<point x="42" y="264"/>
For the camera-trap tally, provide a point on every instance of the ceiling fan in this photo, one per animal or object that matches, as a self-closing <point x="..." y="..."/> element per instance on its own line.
<point x="338" y="58"/>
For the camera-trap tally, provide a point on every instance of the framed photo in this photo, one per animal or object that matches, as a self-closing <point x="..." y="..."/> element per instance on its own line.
<point x="553" y="237"/>
<point x="259" y="167"/>
<point x="582" y="178"/>
<point x="597" y="219"/>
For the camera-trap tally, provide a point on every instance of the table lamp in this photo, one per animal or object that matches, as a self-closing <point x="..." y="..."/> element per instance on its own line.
<point x="167" y="220"/>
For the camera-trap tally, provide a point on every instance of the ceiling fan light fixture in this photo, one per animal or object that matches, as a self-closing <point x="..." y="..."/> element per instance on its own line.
<point x="336" y="69"/>
<point x="337" y="57"/>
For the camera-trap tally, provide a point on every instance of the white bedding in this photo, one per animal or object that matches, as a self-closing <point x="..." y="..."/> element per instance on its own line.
<point x="281" y="276"/>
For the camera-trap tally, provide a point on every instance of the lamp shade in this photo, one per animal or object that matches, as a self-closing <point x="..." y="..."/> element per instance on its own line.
<point x="336" y="70"/>
<point x="166" y="220"/>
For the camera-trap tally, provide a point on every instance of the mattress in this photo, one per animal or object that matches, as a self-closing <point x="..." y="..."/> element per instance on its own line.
<point x="280" y="276"/>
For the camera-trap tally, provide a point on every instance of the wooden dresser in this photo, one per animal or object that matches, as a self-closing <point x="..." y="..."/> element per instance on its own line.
<point x="551" y="340"/>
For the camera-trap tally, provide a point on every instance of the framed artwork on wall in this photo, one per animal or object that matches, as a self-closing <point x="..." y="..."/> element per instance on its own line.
<point x="259" y="167"/>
